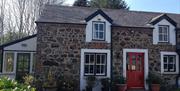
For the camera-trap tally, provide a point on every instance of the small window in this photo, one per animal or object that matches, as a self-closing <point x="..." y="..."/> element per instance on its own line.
<point x="163" y="33"/>
<point x="9" y="62"/>
<point x="95" y="64"/>
<point x="169" y="63"/>
<point x="98" y="31"/>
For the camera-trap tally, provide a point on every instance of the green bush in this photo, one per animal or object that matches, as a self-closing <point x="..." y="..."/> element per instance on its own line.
<point x="7" y="84"/>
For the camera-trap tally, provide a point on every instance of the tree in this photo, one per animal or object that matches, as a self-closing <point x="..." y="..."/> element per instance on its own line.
<point x="17" y="17"/>
<point x="113" y="4"/>
<point x="2" y="20"/>
<point x="82" y="3"/>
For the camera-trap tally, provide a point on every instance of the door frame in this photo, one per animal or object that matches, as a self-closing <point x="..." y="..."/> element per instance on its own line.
<point x="29" y="54"/>
<point x="146" y="66"/>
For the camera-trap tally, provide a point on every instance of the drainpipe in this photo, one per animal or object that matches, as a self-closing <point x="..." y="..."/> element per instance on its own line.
<point x="111" y="62"/>
<point x="178" y="52"/>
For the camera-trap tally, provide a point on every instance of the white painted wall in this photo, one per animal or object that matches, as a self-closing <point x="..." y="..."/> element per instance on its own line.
<point x="31" y="45"/>
<point x="146" y="65"/>
<point x="82" y="77"/>
<point x="89" y="29"/>
<point x="172" y="33"/>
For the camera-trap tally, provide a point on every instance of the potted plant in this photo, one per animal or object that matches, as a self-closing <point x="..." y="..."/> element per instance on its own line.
<point x="66" y="85"/>
<point x="50" y="83"/>
<point x="90" y="81"/>
<point x="120" y="83"/>
<point x="154" y="81"/>
<point x="105" y="82"/>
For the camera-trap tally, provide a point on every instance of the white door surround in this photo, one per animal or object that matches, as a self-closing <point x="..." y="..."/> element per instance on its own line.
<point x="145" y="51"/>
<point x="108" y="71"/>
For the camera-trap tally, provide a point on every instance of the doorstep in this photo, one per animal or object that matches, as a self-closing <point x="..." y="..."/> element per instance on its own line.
<point x="136" y="89"/>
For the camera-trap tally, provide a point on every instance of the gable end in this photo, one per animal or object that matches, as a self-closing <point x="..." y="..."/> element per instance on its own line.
<point x="99" y="11"/>
<point x="161" y="17"/>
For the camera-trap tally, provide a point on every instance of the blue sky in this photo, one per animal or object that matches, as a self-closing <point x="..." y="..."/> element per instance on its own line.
<point x="170" y="6"/>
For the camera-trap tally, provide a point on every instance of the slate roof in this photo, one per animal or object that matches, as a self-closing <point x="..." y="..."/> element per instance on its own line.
<point x="77" y="15"/>
<point x="18" y="40"/>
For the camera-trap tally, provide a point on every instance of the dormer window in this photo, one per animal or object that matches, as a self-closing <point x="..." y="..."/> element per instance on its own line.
<point x="98" y="30"/>
<point x="163" y="33"/>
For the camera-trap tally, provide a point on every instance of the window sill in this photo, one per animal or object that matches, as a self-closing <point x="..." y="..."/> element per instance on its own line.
<point x="99" y="41"/>
<point x="164" y="43"/>
<point x="170" y="73"/>
<point x="8" y="73"/>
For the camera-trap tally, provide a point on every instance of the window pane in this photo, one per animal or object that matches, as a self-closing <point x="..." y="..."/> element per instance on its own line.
<point x="165" y="38"/>
<point x="87" y="59"/>
<point x="102" y="69"/>
<point x="101" y="27"/>
<point x="160" y="37"/>
<point x="171" y="59"/>
<point x="91" y="68"/>
<point x="98" y="60"/>
<point x="92" y="59"/>
<point x="103" y="59"/>
<point x="101" y="35"/>
<point x="96" y="27"/>
<point x="98" y="69"/>
<point x="160" y="30"/>
<point x="165" y="59"/>
<point x="86" y="69"/>
<point x="9" y="62"/>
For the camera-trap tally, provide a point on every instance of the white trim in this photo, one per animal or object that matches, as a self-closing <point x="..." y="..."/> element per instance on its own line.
<point x="146" y="66"/>
<point x="82" y="79"/>
<point x="162" y="62"/>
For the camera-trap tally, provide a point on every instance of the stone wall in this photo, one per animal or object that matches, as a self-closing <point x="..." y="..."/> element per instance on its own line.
<point x="138" y="38"/>
<point x="59" y="48"/>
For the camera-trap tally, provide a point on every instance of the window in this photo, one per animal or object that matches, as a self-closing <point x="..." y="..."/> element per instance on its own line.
<point x="163" y="33"/>
<point x="95" y="64"/>
<point x="169" y="62"/>
<point x="98" y="31"/>
<point x="34" y="62"/>
<point x="9" y="62"/>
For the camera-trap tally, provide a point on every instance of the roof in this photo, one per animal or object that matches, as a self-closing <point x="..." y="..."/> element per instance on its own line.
<point x="17" y="41"/>
<point x="77" y="15"/>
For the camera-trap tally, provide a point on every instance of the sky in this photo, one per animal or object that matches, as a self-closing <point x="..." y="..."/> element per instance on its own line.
<point x="168" y="6"/>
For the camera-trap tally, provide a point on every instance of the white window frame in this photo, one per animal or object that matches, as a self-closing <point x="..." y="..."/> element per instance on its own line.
<point x="15" y="62"/>
<point x="4" y="62"/>
<point x="163" y="34"/>
<point x="95" y="64"/>
<point x="162" y="62"/>
<point x="94" y="31"/>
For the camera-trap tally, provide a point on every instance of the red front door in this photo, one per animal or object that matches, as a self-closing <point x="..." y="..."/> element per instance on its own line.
<point x="135" y="70"/>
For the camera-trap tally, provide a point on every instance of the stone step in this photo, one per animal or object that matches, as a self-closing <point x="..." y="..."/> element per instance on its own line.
<point x="136" y="89"/>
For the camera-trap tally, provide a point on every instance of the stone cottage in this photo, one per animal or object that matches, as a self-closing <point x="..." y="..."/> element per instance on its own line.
<point x="80" y="41"/>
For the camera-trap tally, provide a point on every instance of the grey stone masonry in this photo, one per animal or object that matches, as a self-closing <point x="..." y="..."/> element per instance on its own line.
<point x="59" y="49"/>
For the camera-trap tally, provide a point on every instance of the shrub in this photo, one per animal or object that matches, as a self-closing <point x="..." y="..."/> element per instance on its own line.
<point x="119" y="80"/>
<point x="154" y="78"/>
<point x="7" y="84"/>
